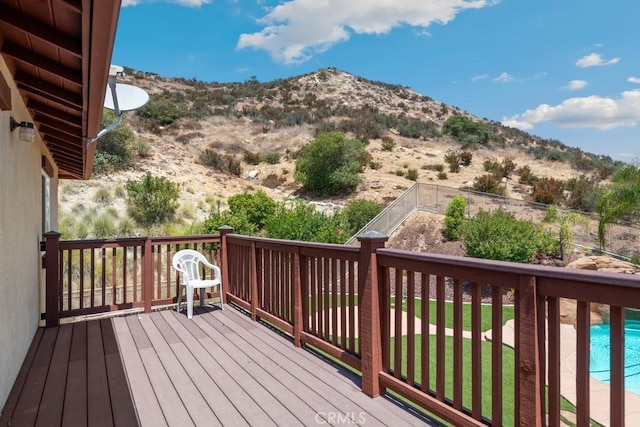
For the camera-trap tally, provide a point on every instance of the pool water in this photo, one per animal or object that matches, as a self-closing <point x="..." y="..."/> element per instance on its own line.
<point x="601" y="352"/>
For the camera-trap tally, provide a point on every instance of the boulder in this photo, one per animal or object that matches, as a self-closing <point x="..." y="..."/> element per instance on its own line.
<point x="599" y="312"/>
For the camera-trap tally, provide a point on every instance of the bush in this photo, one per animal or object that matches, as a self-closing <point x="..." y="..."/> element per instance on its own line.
<point x="388" y="143"/>
<point x="302" y="222"/>
<point x="526" y="176"/>
<point x="272" y="180"/>
<point x="465" y="130"/>
<point x="252" y="158"/>
<point x="375" y="165"/>
<point x="488" y="184"/>
<point x="453" y="160"/>
<point x="330" y="164"/>
<point x="442" y="175"/>
<point x="239" y="222"/>
<point x="465" y="158"/>
<point x="498" y="235"/>
<point x="272" y="158"/>
<point x="412" y="174"/>
<point x="584" y="195"/>
<point x="358" y="213"/>
<point x="151" y="200"/>
<point x="116" y="149"/>
<point x="548" y="191"/>
<point x="104" y="227"/>
<point x="454" y="217"/>
<point x="257" y="207"/>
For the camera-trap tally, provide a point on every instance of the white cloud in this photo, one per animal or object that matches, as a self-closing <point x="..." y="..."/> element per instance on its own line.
<point x="634" y="80"/>
<point x="188" y="3"/>
<point x="595" y="60"/>
<point x="576" y="85"/>
<point x="479" y="77"/>
<point x="295" y="30"/>
<point x="503" y="78"/>
<point x="586" y="112"/>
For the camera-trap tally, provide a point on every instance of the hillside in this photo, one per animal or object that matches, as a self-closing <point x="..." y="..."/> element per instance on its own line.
<point x="274" y="120"/>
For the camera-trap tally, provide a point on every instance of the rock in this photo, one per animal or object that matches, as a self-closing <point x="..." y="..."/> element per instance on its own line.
<point x="252" y="174"/>
<point x="599" y="312"/>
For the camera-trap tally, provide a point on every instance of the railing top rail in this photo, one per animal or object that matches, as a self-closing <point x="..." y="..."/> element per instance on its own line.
<point x="333" y="247"/>
<point x="136" y="241"/>
<point x="542" y="271"/>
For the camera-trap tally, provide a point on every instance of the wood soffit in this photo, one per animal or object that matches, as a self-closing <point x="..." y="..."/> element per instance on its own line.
<point x="58" y="53"/>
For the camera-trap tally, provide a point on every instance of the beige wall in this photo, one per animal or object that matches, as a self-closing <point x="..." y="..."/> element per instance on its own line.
<point x="20" y="234"/>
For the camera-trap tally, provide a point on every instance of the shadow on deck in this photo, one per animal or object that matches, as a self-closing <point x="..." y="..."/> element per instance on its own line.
<point x="218" y="369"/>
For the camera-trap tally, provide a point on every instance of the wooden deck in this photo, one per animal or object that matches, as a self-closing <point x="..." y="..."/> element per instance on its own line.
<point x="72" y="376"/>
<point x="219" y="368"/>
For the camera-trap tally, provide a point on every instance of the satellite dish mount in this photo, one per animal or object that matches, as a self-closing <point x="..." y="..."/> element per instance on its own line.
<point x="120" y="98"/>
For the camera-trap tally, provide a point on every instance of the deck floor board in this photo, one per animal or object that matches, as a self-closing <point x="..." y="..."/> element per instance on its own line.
<point x="159" y="369"/>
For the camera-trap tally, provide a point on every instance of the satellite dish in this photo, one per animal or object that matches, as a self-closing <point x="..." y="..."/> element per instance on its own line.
<point x="128" y="98"/>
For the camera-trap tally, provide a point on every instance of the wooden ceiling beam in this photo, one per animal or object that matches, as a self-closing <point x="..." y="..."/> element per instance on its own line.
<point x="28" y="83"/>
<point x="48" y="130"/>
<point x="25" y="55"/>
<point x="42" y="121"/>
<point x="40" y="30"/>
<point x="53" y="142"/>
<point x="53" y="112"/>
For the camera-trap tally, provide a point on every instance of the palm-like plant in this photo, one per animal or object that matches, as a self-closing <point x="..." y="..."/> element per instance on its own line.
<point x="621" y="198"/>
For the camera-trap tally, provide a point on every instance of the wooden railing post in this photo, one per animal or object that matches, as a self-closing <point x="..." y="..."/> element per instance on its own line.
<point x="369" y="311"/>
<point x="224" y="260"/>
<point x="298" y="324"/>
<point x="528" y="388"/>
<point x="147" y="274"/>
<point x="52" y="277"/>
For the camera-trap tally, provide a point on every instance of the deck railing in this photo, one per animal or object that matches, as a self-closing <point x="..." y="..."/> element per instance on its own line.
<point x="373" y="308"/>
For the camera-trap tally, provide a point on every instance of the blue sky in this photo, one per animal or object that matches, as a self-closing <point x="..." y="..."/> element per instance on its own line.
<point x="562" y="69"/>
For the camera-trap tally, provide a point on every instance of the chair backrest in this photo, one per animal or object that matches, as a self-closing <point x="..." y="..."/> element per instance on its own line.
<point x="187" y="262"/>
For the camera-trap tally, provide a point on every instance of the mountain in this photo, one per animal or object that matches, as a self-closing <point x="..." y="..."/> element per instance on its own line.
<point x="255" y="131"/>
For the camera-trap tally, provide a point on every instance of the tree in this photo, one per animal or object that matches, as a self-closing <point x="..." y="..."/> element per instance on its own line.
<point x="115" y="149"/>
<point x="566" y="222"/>
<point x="257" y="207"/>
<point x="465" y="130"/>
<point x="358" y="213"/>
<point x="151" y="200"/>
<point x="330" y="164"/>
<point x="618" y="200"/>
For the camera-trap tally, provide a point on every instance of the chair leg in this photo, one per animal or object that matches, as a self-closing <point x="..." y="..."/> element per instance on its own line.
<point x="189" y="302"/>
<point x="203" y="293"/>
<point x="221" y="304"/>
<point x="179" y="298"/>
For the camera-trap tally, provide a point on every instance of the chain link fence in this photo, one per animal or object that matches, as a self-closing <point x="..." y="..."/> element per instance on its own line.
<point x="622" y="239"/>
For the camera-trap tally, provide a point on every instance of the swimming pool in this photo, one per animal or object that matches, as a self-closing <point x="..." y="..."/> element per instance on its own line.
<point x="601" y="352"/>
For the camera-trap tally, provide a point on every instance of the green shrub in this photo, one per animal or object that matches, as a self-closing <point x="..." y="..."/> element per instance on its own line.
<point x="116" y="149"/>
<point x="358" y="213"/>
<point x="442" y="175"/>
<point x="302" y="222"/>
<point x="454" y="217"/>
<point x="210" y="158"/>
<point x="103" y="196"/>
<point x="375" y="165"/>
<point x="400" y="172"/>
<point x="272" y="158"/>
<point x="104" y="227"/>
<point x="257" y="207"/>
<point x="239" y="222"/>
<point x="163" y="109"/>
<point x="584" y="194"/>
<point x="252" y="158"/>
<point x="126" y="227"/>
<point x="465" y="130"/>
<point x="151" y="200"/>
<point x="412" y="174"/>
<point x="330" y="164"/>
<point x="526" y="175"/>
<point x="498" y="235"/>
<point x="453" y="160"/>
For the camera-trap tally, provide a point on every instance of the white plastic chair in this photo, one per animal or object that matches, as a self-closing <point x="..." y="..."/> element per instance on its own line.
<point x="187" y="262"/>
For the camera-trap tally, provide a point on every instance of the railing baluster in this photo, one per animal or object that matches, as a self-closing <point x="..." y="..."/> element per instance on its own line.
<point x="425" y="359"/>
<point x="476" y="350"/>
<point x="397" y="333"/>
<point x="411" y="328"/>
<point x="457" y="344"/>
<point x="496" y="355"/>
<point x="617" y="342"/>
<point x="440" y="344"/>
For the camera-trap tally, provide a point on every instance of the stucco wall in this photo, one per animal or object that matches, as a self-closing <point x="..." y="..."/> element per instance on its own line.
<point x="20" y="233"/>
